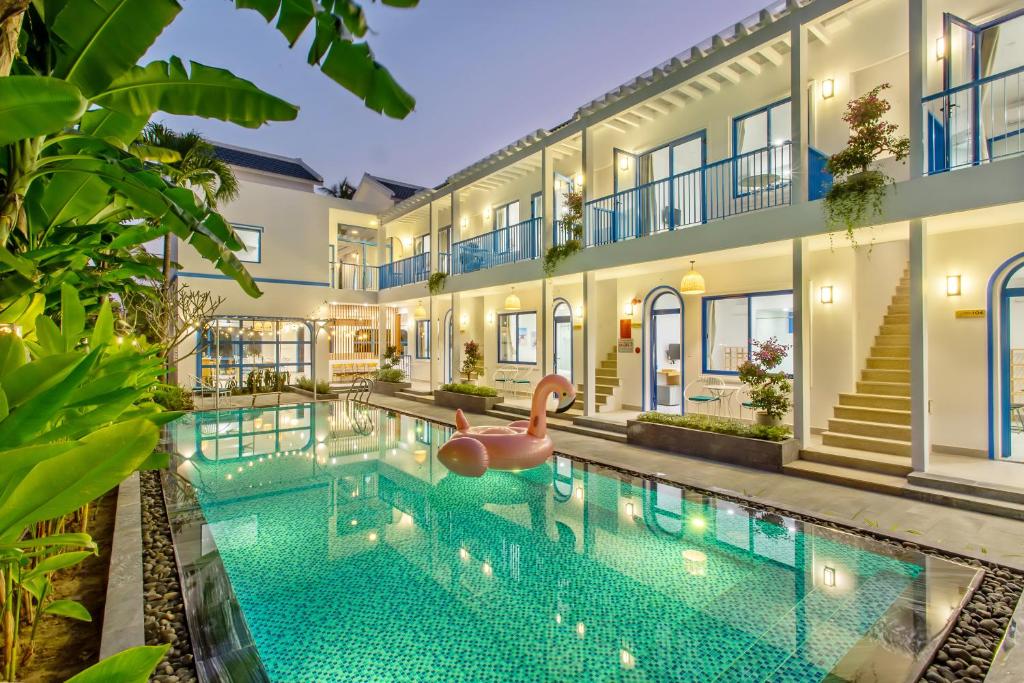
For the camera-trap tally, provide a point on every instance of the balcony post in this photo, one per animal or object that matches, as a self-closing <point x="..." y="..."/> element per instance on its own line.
<point x="545" y="327"/>
<point x="456" y="231"/>
<point x="547" y="198"/>
<point x="918" y="52"/>
<point x="801" y="342"/>
<point x="586" y="166"/>
<point x="432" y="230"/>
<point x="920" y="420"/>
<point x="456" y="336"/>
<point x="589" y="340"/>
<point x="798" y="114"/>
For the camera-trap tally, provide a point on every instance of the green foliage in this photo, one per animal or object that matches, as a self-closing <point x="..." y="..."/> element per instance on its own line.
<point x="129" y="666"/>
<point x="322" y="386"/>
<point x="435" y="283"/>
<point x="572" y="225"/>
<point x="471" y="358"/>
<point x="265" y="380"/>
<point x="471" y="389"/>
<point x="172" y="397"/>
<point x="769" y="387"/>
<point x="858" y="191"/>
<point x="391" y="358"/>
<point x="390" y="374"/>
<point x="718" y="425"/>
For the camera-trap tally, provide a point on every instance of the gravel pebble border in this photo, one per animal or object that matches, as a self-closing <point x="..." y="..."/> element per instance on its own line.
<point x="163" y="607"/>
<point x="964" y="656"/>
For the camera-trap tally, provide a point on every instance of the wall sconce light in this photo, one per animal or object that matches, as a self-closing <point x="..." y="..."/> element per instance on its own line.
<point x="490" y="317"/>
<point x="940" y="48"/>
<point x="630" y="509"/>
<point x="577" y="315"/>
<point x="828" y="88"/>
<point x="579" y="180"/>
<point x="406" y="242"/>
<point x="464" y="221"/>
<point x="952" y="285"/>
<point x="487" y="213"/>
<point x="623" y="162"/>
<point x="829" y="577"/>
<point x="463" y="322"/>
<point x="825" y="295"/>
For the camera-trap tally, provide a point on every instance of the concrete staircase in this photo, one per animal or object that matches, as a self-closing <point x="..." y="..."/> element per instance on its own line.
<point x="868" y="439"/>
<point x="605" y="388"/>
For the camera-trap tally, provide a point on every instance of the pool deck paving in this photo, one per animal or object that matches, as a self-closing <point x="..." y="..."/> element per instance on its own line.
<point x="973" y="534"/>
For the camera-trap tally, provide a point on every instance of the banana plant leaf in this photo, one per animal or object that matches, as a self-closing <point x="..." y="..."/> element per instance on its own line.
<point x="31" y="106"/>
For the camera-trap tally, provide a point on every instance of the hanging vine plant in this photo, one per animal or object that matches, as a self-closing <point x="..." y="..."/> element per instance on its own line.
<point x="858" y="189"/>
<point x="435" y="283"/>
<point x="572" y="230"/>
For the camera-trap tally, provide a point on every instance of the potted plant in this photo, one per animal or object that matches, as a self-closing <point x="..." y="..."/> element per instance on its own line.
<point x="471" y="359"/>
<point x="389" y="379"/>
<point x="435" y="283"/>
<point x="858" y="188"/>
<point x="572" y="227"/>
<point x="471" y="397"/>
<point x="769" y="387"/>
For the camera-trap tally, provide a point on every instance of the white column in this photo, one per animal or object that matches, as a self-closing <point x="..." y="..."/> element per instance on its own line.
<point x="545" y="328"/>
<point x="801" y="342"/>
<point x="918" y="54"/>
<point x="456" y="335"/>
<point x="456" y="217"/>
<point x="920" y="427"/>
<point x="432" y="231"/>
<point x="547" y="189"/>
<point x="798" y="109"/>
<point x="589" y="340"/>
<point x="382" y="330"/>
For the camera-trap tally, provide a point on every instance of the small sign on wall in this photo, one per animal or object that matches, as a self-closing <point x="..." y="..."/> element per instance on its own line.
<point x="625" y="346"/>
<point x="970" y="313"/>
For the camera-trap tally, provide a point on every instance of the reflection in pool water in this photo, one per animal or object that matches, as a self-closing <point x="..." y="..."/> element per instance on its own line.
<point x="356" y="556"/>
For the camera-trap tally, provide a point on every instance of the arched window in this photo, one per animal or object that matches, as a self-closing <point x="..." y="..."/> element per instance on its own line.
<point x="1006" y="332"/>
<point x="663" y="351"/>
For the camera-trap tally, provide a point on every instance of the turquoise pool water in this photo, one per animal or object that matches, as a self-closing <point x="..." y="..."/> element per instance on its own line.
<point x="356" y="556"/>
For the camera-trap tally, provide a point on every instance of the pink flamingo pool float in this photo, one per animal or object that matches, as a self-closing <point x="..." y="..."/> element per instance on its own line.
<point x="518" y="446"/>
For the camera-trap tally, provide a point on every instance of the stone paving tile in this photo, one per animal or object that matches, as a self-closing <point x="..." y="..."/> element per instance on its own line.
<point x="974" y="534"/>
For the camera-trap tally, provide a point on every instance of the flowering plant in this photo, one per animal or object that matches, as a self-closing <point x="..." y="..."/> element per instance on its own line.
<point x="769" y="387"/>
<point x="858" y="189"/>
<point x="470" y="359"/>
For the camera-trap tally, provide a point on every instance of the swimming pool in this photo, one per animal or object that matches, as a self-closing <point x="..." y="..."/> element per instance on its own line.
<point x="352" y="554"/>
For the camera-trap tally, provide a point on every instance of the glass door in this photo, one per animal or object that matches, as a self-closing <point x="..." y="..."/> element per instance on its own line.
<point x="1013" y="366"/>
<point x="961" y="67"/>
<point x="562" y="335"/>
<point x="665" y="349"/>
<point x="688" y="182"/>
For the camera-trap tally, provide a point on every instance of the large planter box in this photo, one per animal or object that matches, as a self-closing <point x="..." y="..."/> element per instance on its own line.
<point x="735" y="450"/>
<point x="468" y="402"/>
<point x="390" y="388"/>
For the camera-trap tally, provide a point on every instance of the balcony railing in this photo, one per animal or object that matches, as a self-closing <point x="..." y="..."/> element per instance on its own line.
<point x="562" y="233"/>
<point x="444" y="262"/>
<point x="975" y="122"/>
<point x="357" y="276"/>
<point x="406" y="271"/>
<point x="519" y="242"/>
<point x="747" y="182"/>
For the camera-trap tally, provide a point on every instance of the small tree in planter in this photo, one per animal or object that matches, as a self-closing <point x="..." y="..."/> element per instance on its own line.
<point x="390" y="367"/>
<point x="470" y="359"/>
<point x="858" y="190"/>
<point x="769" y="387"/>
<point x="572" y="227"/>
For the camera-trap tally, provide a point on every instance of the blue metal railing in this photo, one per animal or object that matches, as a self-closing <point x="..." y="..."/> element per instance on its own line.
<point x="975" y="122"/>
<point x="746" y="182"/>
<point x="519" y="242"/>
<point x="358" y="276"/>
<point x="405" y="272"/>
<point x="561" y="233"/>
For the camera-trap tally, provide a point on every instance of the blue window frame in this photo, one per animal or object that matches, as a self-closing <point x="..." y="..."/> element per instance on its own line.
<point x="760" y="130"/>
<point x="730" y="322"/>
<point x="422" y="340"/>
<point x="517" y="338"/>
<point x="251" y="237"/>
<point x="249" y="344"/>
<point x="421" y="244"/>
<point x="331" y="266"/>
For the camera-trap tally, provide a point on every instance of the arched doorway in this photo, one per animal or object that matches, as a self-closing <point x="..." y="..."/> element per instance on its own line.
<point x="1006" y="332"/>
<point x="562" y="340"/>
<point x="663" y="351"/>
<point x="446" y="346"/>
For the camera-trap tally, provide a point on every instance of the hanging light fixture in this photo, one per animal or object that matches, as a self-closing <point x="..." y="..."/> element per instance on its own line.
<point x="512" y="302"/>
<point x="693" y="282"/>
<point x="420" y="312"/>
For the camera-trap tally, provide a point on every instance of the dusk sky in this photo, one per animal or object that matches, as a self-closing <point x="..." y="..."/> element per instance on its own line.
<point x="484" y="73"/>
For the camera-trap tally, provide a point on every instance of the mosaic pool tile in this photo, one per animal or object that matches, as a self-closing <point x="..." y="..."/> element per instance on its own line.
<point x="355" y="556"/>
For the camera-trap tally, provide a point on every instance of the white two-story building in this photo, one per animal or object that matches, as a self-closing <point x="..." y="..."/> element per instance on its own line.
<point x="703" y="231"/>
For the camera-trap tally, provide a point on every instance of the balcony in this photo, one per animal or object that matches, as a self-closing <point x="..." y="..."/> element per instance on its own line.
<point x="358" y="277"/>
<point x="740" y="184"/>
<point x="405" y="272"/>
<point x="976" y="122"/>
<point x="519" y="242"/>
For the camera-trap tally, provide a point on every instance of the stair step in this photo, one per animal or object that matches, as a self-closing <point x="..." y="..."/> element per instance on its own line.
<point x="899" y="309"/>
<point x="1006" y="494"/>
<point x="598" y="423"/>
<point x="884" y="388"/>
<point x="882" y="363"/>
<point x="415" y="396"/>
<point x="892" y="340"/>
<point x="601" y="372"/>
<point x="878" y="430"/>
<point x="868" y="414"/>
<point x="881" y="350"/>
<point x="896" y="319"/>
<point x="895" y="328"/>
<point x="875" y="401"/>
<point x="885" y="375"/>
<point x="866" y="443"/>
<point x="880" y="463"/>
<point x="845" y="476"/>
<point x="962" y="501"/>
